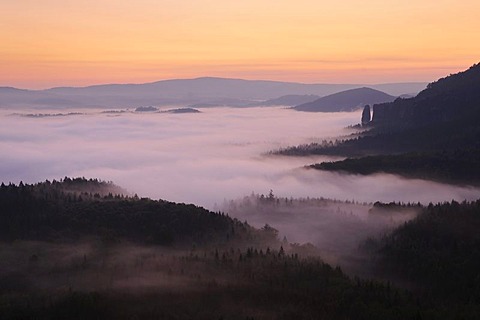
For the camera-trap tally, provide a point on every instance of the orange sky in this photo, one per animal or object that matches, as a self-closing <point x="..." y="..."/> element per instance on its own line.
<point x="63" y="42"/>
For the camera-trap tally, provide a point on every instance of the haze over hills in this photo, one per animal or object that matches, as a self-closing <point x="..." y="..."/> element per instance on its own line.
<point x="207" y="90"/>
<point x="346" y="100"/>
<point x="13" y="97"/>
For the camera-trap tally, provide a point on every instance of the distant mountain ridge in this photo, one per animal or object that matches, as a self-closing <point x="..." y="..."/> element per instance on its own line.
<point x="346" y="100"/>
<point x="180" y="92"/>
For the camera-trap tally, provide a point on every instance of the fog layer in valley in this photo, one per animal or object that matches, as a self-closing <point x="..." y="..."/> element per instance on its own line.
<point x="336" y="228"/>
<point x="201" y="158"/>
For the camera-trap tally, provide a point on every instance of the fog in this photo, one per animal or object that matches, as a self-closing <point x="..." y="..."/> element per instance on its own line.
<point x="337" y="228"/>
<point x="91" y="264"/>
<point x="201" y="158"/>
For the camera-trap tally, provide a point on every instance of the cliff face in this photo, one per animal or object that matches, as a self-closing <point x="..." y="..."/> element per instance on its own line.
<point x="366" y="115"/>
<point x="398" y="112"/>
<point x="449" y="98"/>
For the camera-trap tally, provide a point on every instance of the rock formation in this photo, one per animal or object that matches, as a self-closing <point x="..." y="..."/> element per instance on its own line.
<point x="366" y="116"/>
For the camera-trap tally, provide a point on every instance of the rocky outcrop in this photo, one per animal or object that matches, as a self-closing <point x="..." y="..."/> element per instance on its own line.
<point x="366" y="115"/>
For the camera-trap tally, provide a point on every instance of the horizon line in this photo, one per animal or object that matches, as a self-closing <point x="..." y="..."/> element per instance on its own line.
<point x="212" y="77"/>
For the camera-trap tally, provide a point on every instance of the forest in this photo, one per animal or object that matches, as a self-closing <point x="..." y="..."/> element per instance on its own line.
<point x="66" y="210"/>
<point x="70" y="253"/>
<point x="461" y="166"/>
<point x="438" y="253"/>
<point x="434" y="135"/>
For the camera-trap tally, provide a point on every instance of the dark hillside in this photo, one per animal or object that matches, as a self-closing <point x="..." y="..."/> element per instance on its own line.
<point x="456" y="167"/>
<point x="451" y="98"/>
<point x="439" y="251"/>
<point x="445" y="116"/>
<point x="435" y="135"/>
<point x="66" y="211"/>
<point x="346" y="100"/>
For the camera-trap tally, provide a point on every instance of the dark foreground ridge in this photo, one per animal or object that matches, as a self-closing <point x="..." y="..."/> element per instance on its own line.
<point x="439" y="252"/>
<point x="70" y="209"/>
<point x="70" y="253"/>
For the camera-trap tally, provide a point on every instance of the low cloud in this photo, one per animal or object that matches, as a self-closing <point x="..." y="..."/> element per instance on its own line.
<point x="337" y="228"/>
<point x="197" y="158"/>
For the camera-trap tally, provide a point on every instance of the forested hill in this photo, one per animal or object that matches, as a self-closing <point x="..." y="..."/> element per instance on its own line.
<point x="439" y="251"/>
<point x="443" y="117"/>
<point x="346" y="100"/>
<point x="66" y="210"/>
<point x="461" y="166"/>
<point x="60" y="277"/>
<point x="454" y="97"/>
<point x="422" y="137"/>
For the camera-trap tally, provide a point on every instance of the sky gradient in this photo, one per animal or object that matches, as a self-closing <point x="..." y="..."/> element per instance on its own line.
<point x="62" y="42"/>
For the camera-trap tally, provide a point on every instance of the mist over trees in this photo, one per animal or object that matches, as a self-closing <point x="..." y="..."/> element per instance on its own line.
<point x="433" y="136"/>
<point x="102" y="253"/>
<point x="69" y="210"/>
<point x="335" y="228"/>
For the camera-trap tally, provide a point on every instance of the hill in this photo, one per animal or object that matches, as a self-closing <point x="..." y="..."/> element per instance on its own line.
<point x="448" y="99"/>
<point x="12" y="97"/>
<point x="445" y="116"/>
<point x="181" y="92"/>
<point x="424" y="135"/>
<point x="346" y="100"/>
<point x="72" y="209"/>
<point x="182" y="110"/>
<point x="290" y="100"/>
<point x="439" y="250"/>
<point x="461" y="166"/>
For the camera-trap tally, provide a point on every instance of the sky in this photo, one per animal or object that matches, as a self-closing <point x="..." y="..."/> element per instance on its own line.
<point x="63" y="42"/>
